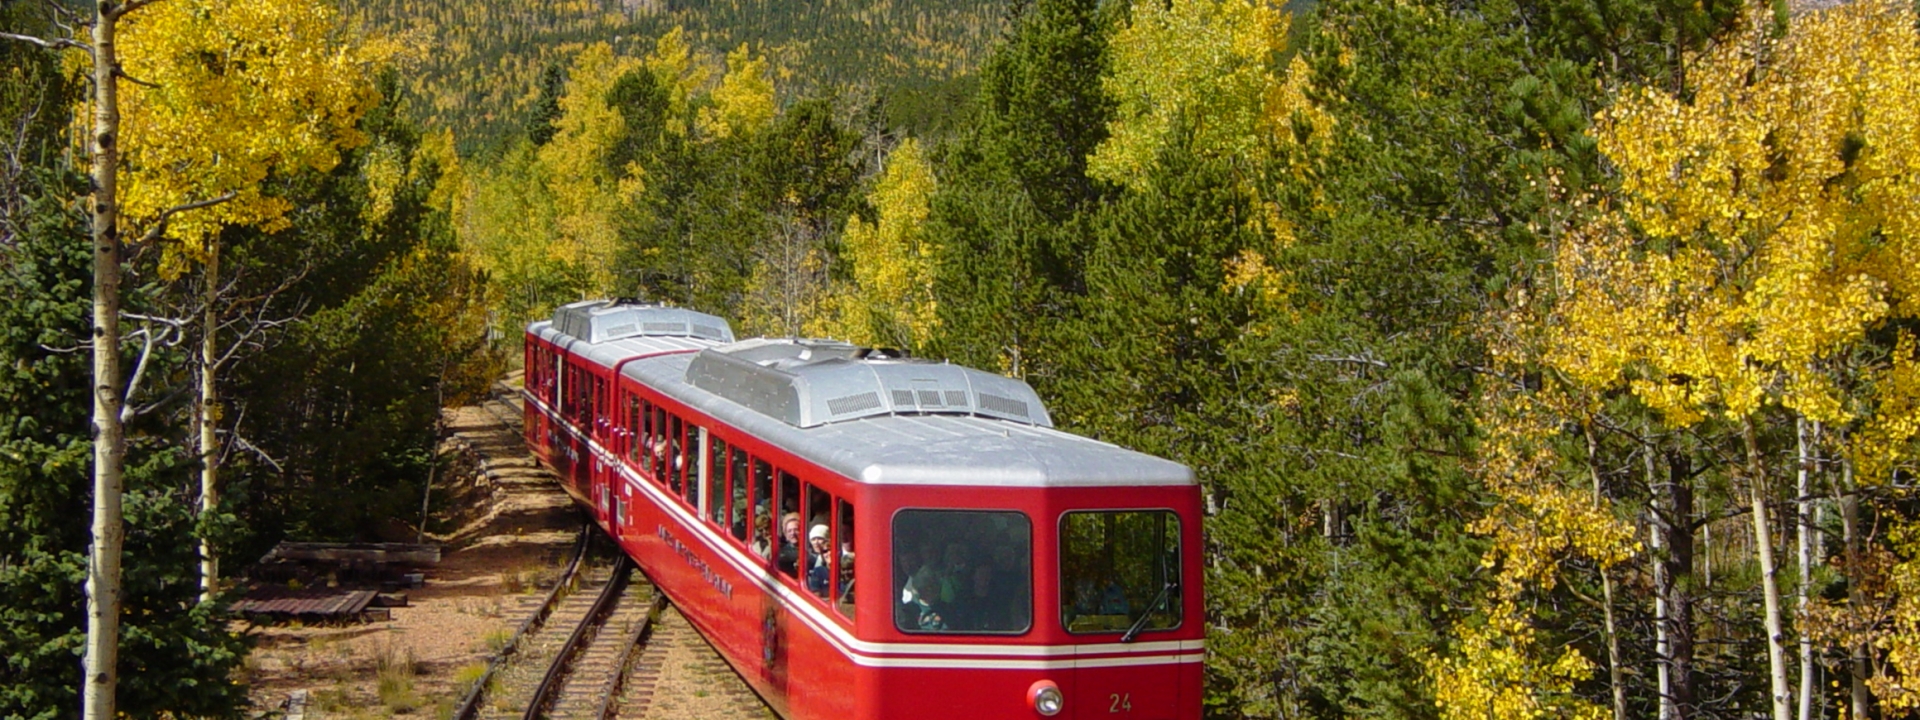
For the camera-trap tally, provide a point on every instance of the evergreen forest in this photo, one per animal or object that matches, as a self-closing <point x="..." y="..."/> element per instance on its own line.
<point x="1537" y="358"/>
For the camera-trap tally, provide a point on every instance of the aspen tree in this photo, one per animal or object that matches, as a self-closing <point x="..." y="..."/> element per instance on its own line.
<point x="1766" y="228"/>
<point x="586" y="193"/>
<point x="743" y="103"/>
<point x="220" y="94"/>
<point x="1499" y="668"/>
<point x="890" y="301"/>
<point x="1204" y="72"/>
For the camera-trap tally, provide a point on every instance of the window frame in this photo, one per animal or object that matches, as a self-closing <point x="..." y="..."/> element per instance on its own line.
<point x="893" y="621"/>
<point x="843" y="568"/>
<point x="1180" y="552"/>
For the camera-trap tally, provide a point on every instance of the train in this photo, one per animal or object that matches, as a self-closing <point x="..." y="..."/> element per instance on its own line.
<point x="863" y="534"/>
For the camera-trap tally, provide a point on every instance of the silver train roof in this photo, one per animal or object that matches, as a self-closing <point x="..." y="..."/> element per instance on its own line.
<point x="599" y="321"/>
<point x="624" y="329"/>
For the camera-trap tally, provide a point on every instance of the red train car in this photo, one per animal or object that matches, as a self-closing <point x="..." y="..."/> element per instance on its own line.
<point x="869" y="536"/>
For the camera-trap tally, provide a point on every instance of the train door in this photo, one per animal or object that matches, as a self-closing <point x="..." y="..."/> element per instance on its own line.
<point x="773" y="617"/>
<point x="1120" y="582"/>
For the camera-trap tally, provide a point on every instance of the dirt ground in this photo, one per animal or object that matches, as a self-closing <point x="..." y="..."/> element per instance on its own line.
<point x="512" y="529"/>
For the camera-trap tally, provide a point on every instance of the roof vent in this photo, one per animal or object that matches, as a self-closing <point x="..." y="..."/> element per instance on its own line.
<point x="598" y="321"/>
<point x="805" y="383"/>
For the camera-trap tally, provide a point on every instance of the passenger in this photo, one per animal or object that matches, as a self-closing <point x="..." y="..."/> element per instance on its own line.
<point x="761" y="545"/>
<point x="846" y="564"/>
<point x="789" y="560"/>
<point x="954" y="571"/>
<point x="905" y="561"/>
<point x="978" y="603"/>
<point x="930" y="593"/>
<point x="819" y="561"/>
<point x="1114" y="600"/>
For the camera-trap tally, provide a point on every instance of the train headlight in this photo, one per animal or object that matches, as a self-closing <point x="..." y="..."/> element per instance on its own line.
<point x="1045" y="698"/>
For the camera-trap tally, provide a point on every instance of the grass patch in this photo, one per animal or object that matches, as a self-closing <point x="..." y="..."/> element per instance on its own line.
<point x="497" y="640"/>
<point x="395" y="669"/>
<point x="468" y="674"/>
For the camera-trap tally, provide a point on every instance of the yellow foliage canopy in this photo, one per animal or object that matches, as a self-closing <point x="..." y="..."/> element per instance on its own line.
<point x="586" y="193"/>
<point x="1497" y="674"/>
<point x="743" y="104"/>
<point x="1205" y="66"/>
<point x="891" y="300"/>
<point x="228" y="93"/>
<point x="672" y="64"/>
<point x="1770" y="220"/>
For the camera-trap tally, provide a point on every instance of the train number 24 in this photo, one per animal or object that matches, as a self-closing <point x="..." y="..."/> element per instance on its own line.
<point x="1122" y="702"/>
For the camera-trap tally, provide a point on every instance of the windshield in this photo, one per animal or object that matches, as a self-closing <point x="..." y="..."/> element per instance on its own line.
<point x="1116" y="567"/>
<point x="962" y="571"/>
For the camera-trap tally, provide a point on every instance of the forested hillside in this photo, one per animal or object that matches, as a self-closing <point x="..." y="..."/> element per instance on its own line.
<point x="479" y="67"/>
<point x="1538" y="358"/>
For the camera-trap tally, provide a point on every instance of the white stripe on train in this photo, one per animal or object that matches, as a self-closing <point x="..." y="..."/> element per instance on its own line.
<point x="888" y="654"/>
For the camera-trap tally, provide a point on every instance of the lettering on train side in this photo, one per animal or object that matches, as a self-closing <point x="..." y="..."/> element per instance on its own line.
<point x="686" y="553"/>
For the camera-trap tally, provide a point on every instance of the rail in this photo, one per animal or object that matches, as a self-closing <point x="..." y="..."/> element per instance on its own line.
<point x="583" y="633"/>
<point x="470" y="704"/>
<point x="629" y="650"/>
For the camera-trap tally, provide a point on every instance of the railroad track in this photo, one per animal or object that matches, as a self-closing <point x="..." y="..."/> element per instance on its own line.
<point x="471" y="704"/>
<point x="590" y="650"/>
<point x="575" y="662"/>
<point x="505" y="404"/>
<point x="584" y="679"/>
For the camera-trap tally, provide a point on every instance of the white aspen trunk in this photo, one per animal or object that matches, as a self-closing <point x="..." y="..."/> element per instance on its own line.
<point x="1803" y="516"/>
<point x="209" y="415"/>
<point x="1661" y="517"/>
<point x="1769" y="582"/>
<point x="1614" y="680"/>
<point x="109" y="440"/>
<point x="1706" y="554"/>
<point x="1858" y="697"/>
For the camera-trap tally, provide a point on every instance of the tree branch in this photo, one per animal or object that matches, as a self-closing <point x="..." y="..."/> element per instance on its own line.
<point x="1349" y="359"/>
<point x="167" y="321"/>
<point x="54" y="44"/>
<point x="129" y="7"/>
<point x="122" y="74"/>
<point x="240" y="441"/>
<point x="160" y="224"/>
<point x="139" y="371"/>
<point x="172" y="336"/>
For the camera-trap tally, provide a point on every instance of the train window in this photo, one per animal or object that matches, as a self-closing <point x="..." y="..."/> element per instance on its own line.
<point x="574" y="389"/>
<point x="657" y="445"/>
<point x="690" y="462"/>
<point x="792" y="529"/>
<point x="643" y="449"/>
<point x="596" y="404"/>
<point x="628" y="411"/>
<point x="962" y="571"/>
<point x="717" y="494"/>
<point x="1119" y="571"/>
<point x="843" y="560"/>
<point x="674" y="452"/>
<point x="762" y="494"/>
<point x="738" y="520"/>
<point x="818" y="540"/>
